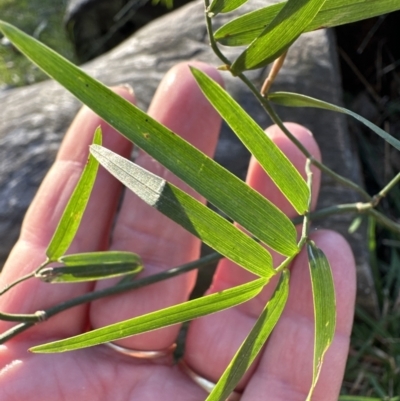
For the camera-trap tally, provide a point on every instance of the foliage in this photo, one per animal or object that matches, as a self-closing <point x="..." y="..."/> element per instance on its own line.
<point x="41" y="19"/>
<point x="288" y="20"/>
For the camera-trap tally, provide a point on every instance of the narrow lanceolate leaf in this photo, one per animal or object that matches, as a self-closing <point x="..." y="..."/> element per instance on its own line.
<point x="277" y="37"/>
<point x="224" y="6"/>
<point x="71" y="218"/>
<point x="209" y="179"/>
<point x="254" y="342"/>
<point x="297" y="100"/>
<point x="271" y="158"/>
<point x="155" y="320"/>
<point x="324" y="307"/>
<point x="201" y="221"/>
<point x="92" y="266"/>
<point x="244" y="29"/>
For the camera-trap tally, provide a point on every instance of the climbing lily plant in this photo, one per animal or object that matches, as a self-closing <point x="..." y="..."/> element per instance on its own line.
<point x="268" y="34"/>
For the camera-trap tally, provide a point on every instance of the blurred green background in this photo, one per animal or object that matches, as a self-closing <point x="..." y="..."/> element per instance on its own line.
<point x="40" y="18"/>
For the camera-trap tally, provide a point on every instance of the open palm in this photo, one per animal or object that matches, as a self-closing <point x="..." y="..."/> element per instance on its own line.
<point x="284" y="369"/>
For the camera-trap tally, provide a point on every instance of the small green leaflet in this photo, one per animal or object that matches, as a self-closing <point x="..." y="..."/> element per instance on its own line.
<point x="223" y="6"/>
<point x="155" y="320"/>
<point x="324" y="307"/>
<point x="278" y="36"/>
<point x="71" y="218"/>
<point x="271" y="158"/>
<point x="296" y="100"/>
<point x="91" y="266"/>
<point x="244" y="29"/>
<point x="201" y="221"/>
<point x="254" y="342"/>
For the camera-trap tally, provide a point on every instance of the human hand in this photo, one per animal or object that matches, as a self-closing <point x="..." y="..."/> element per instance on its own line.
<point x="284" y="369"/>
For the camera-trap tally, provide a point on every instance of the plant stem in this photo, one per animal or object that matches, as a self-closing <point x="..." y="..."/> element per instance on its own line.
<point x="119" y="288"/>
<point x="213" y="43"/>
<point x="285" y="263"/>
<point x="384" y="221"/>
<point x="13" y="284"/>
<point x="15" y="317"/>
<point x="276" y="67"/>
<point x="306" y="220"/>
<point x="328" y="211"/>
<point x="385" y="190"/>
<point x="22" y="279"/>
<point x="342" y="180"/>
<point x="358" y="207"/>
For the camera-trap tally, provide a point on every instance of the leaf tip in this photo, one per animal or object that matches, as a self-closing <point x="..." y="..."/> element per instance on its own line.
<point x="98" y="136"/>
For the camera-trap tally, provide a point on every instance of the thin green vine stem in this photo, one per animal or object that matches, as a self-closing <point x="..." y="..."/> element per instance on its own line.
<point x="306" y="220"/>
<point x="385" y="190"/>
<point x="23" y="278"/>
<point x="343" y="180"/>
<point x="360" y="208"/>
<point x="29" y="320"/>
<point x="331" y="210"/>
<point x="384" y="221"/>
<point x="18" y="281"/>
<point x="213" y="43"/>
<point x="17" y="317"/>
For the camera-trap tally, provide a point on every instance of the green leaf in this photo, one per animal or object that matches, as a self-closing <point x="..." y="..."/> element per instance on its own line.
<point x="209" y="179"/>
<point x="254" y="342"/>
<point x="278" y="36"/>
<point x="191" y="214"/>
<point x="223" y="6"/>
<point x="275" y="163"/>
<point x="92" y="266"/>
<point x="162" y="318"/>
<point x="324" y="307"/>
<point x="244" y="29"/>
<point x="297" y="100"/>
<point x="355" y="224"/>
<point x="72" y="216"/>
<point x="101" y="257"/>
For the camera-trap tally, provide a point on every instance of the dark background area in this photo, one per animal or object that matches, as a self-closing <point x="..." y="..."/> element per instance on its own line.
<point x="369" y="55"/>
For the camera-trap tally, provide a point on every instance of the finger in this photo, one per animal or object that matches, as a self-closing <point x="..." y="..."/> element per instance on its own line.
<point x="285" y="370"/>
<point x="180" y="105"/>
<point x="204" y="342"/>
<point x="44" y="214"/>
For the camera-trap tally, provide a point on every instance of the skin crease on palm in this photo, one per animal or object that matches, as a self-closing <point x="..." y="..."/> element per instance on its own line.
<point x="283" y="370"/>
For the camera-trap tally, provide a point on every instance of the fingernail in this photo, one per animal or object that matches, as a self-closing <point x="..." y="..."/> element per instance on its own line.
<point x="128" y="87"/>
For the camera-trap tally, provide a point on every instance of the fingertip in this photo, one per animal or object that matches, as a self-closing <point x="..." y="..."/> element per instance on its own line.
<point x="183" y="72"/>
<point x="126" y="91"/>
<point x="180" y="105"/>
